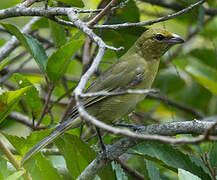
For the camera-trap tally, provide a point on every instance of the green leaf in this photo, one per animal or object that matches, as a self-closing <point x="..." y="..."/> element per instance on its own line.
<point x="5" y="62"/>
<point x="7" y="4"/>
<point x="4" y="171"/>
<point x="12" y="127"/>
<point x="32" y="45"/>
<point x="47" y="169"/>
<point x="120" y="174"/>
<point x="74" y="3"/>
<point x="153" y="171"/>
<point x="37" y="51"/>
<point x="15" y="175"/>
<point x="185" y="175"/>
<point x="8" y="100"/>
<point x="29" y="142"/>
<point x="77" y="154"/>
<point x="107" y="172"/>
<point x="197" y="160"/>
<point x="203" y="74"/>
<point x="168" y="81"/>
<point x="127" y="36"/>
<point x="32" y="96"/>
<point x="32" y="167"/>
<point x="40" y="23"/>
<point x="212" y="158"/>
<point x="168" y="157"/>
<point x="189" y="95"/>
<point x="58" y="33"/>
<point x="59" y="60"/>
<point x="206" y="56"/>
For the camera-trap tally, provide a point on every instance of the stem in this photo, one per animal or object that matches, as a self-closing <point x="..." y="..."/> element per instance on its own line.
<point x="44" y="111"/>
<point x="13" y="161"/>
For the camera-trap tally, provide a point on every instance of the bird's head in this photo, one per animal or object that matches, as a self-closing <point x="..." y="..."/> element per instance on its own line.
<point x="153" y="43"/>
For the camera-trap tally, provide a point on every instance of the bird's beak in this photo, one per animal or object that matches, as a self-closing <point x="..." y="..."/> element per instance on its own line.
<point x="176" y="39"/>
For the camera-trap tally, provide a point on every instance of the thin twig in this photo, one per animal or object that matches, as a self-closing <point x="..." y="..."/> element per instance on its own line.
<point x="8" y="47"/>
<point x="65" y="85"/>
<point x="23" y="119"/>
<point x="206" y="162"/>
<point x="45" y="107"/>
<point x="78" y="91"/>
<point x="58" y="11"/>
<point x="27" y="3"/>
<point x="189" y="37"/>
<point x="102" y="13"/>
<point x="61" y="97"/>
<point x="177" y="6"/>
<point x="161" y="19"/>
<point x="86" y="58"/>
<point x="9" y="155"/>
<point x="13" y="160"/>
<point x="121" y="5"/>
<point x="121" y="146"/>
<point x="178" y="105"/>
<point x="86" y="54"/>
<point x="135" y="174"/>
<point x="125" y="25"/>
<point x="19" y="68"/>
<point x="68" y="109"/>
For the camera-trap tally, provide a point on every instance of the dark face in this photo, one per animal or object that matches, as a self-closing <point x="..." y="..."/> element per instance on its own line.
<point x="155" y="42"/>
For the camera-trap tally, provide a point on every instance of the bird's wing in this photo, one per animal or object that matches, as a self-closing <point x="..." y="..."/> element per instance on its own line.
<point x="114" y="79"/>
<point x="120" y="76"/>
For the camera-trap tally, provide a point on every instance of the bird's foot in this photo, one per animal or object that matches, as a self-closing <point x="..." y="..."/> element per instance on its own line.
<point x="105" y="150"/>
<point x="131" y="126"/>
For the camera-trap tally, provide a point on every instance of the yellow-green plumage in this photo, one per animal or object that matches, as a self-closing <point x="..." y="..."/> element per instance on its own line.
<point x="134" y="70"/>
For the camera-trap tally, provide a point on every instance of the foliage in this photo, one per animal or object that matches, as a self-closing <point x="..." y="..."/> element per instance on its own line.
<point x="53" y="53"/>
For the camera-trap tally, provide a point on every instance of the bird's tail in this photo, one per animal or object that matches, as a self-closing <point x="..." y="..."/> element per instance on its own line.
<point x="71" y="123"/>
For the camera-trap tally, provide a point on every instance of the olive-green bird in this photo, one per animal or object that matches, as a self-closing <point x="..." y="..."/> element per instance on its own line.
<point x="134" y="70"/>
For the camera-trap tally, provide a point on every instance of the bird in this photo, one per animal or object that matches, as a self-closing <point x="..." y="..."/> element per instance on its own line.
<point x="136" y="69"/>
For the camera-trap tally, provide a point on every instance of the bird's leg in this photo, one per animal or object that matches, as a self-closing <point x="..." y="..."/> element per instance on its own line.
<point x="81" y="130"/>
<point x="132" y="126"/>
<point x="103" y="146"/>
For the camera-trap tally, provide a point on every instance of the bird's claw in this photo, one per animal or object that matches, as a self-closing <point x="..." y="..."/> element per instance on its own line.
<point x="131" y="126"/>
<point x="104" y="151"/>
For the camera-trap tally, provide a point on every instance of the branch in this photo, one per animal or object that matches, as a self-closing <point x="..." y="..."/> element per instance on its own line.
<point x="86" y="58"/>
<point x="45" y="107"/>
<point x="135" y="174"/>
<point x="50" y="13"/>
<point x="27" y="3"/>
<point x="8" y="47"/>
<point x="178" y="105"/>
<point x="59" y="11"/>
<point x="102" y="13"/>
<point x="177" y="6"/>
<point x="121" y="146"/>
<point x="86" y="55"/>
<point x="207" y="164"/>
<point x="13" y="160"/>
<point x="165" y="18"/>
<point x="23" y="119"/>
<point x="78" y="91"/>
<point x="188" y="38"/>
<point x="102" y="47"/>
<point x="11" y="72"/>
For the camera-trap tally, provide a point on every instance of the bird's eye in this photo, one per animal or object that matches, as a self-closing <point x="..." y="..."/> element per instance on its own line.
<point x="159" y="37"/>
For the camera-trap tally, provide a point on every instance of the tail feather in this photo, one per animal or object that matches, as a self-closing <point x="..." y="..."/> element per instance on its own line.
<point x="71" y="123"/>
